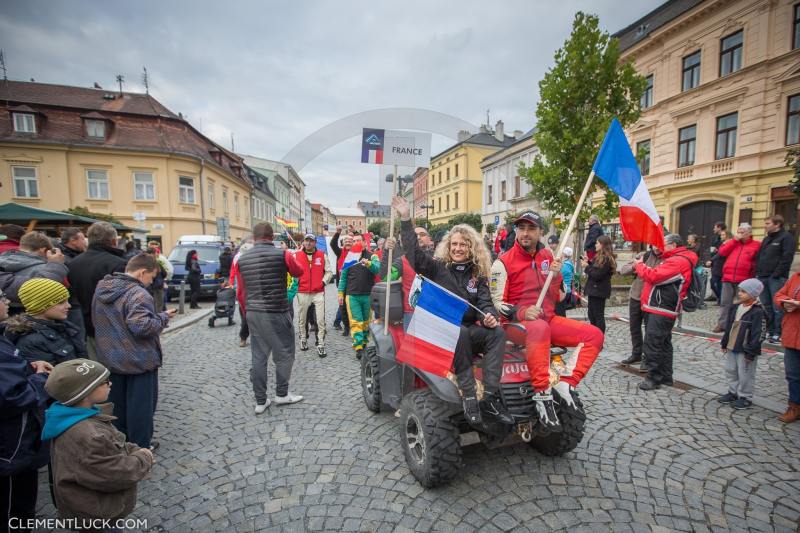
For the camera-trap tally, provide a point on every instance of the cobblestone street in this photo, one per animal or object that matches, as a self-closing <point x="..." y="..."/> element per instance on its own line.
<point x="671" y="459"/>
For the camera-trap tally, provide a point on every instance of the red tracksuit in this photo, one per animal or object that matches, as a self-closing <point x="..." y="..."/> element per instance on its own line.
<point x="517" y="279"/>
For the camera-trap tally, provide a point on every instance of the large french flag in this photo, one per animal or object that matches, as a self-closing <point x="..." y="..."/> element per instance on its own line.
<point x="430" y="341"/>
<point x="353" y="256"/>
<point x="617" y="167"/>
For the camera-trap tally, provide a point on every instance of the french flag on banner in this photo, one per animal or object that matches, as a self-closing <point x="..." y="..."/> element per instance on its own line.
<point x="431" y="338"/>
<point x="617" y="167"/>
<point x="353" y="256"/>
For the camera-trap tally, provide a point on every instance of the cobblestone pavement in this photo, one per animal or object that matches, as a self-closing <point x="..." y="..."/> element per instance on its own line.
<point x="667" y="460"/>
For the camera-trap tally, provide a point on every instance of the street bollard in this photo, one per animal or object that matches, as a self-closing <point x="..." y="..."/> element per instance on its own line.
<point x="181" y="297"/>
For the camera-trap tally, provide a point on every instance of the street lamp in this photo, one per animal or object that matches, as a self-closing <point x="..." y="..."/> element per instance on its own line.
<point x="426" y="207"/>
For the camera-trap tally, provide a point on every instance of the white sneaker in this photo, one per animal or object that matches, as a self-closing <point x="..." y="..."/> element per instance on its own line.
<point x="261" y="407"/>
<point x="289" y="398"/>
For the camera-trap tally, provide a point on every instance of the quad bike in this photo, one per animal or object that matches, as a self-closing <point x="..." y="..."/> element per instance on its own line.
<point x="432" y="424"/>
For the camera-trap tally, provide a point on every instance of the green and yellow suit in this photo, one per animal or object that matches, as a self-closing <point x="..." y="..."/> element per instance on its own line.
<point x="355" y="285"/>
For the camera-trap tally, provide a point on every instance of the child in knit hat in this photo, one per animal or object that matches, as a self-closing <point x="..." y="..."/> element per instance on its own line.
<point x="95" y="472"/>
<point x="741" y="344"/>
<point x="43" y="332"/>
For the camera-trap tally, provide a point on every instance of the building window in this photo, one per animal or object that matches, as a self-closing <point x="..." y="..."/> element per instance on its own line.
<point x="97" y="184"/>
<point x="225" y="201"/>
<point x="96" y="129"/>
<point x="796" y="36"/>
<point x="236" y="205"/>
<point x="185" y="190"/>
<point x="647" y="97"/>
<point x="439" y="210"/>
<point x="726" y="136"/>
<point x="448" y="173"/>
<point x="691" y="71"/>
<point x="456" y="200"/>
<point x="643" y="154"/>
<point x="456" y="172"/>
<point x="144" y="187"/>
<point x="447" y="202"/>
<point x="516" y="187"/>
<point x="440" y="177"/>
<point x="211" y="196"/>
<point x="730" y="54"/>
<point x="24" y="123"/>
<point x="489" y="195"/>
<point x="793" y="120"/>
<point x="26" y="184"/>
<point x="503" y="191"/>
<point x="687" y="139"/>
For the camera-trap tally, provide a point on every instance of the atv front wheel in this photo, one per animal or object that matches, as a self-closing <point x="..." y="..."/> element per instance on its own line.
<point x="429" y="438"/>
<point x="571" y="434"/>
<point x="370" y="379"/>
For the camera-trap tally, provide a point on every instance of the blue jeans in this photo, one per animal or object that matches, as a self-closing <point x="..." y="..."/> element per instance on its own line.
<point x="791" y="360"/>
<point x="135" y="397"/>
<point x="716" y="286"/>
<point x="773" y="312"/>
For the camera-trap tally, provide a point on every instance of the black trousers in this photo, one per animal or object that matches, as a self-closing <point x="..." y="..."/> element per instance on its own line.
<point x="490" y="342"/>
<point x="311" y="319"/>
<point x="18" y="498"/>
<point x="244" y="329"/>
<point x="135" y="397"/>
<point x="636" y="316"/>
<point x="597" y="312"/>
<point x="658" y="348"/>
<point x="194" y="287"/>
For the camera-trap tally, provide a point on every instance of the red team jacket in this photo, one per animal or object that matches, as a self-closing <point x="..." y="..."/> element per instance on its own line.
<point x="518" y="277"/>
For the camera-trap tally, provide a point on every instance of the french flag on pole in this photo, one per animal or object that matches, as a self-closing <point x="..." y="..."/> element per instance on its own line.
<point x="430" y="341"/>
<point x="353" y="256"/>
<point x="617" y="167"/>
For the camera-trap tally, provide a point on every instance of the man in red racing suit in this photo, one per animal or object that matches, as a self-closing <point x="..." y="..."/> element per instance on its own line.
<point x="516" y="281"/>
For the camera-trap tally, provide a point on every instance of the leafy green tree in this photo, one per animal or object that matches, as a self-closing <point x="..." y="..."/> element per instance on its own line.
<point x="84" y="212"/>
<point x="586" y="87"/>
<point x="490" y="229"/>
<point x="379" y="228"/>
<point x="471" y="219"/>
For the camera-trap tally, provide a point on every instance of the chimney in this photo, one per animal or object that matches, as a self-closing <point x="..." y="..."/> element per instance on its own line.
<point x="499" y="134"/>
<point x="484" y="128"/>
<point x="463" y="135"/>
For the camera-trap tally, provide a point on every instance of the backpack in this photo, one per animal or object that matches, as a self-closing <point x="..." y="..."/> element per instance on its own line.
<point x="694" y="296"/>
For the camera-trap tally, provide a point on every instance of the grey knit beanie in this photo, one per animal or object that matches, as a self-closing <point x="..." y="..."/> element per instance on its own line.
<point x="752" y="286"/>
<point x="72" y="381"/>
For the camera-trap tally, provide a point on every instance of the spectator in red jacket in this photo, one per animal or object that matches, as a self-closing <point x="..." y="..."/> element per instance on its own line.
<point x="740" y="264"/>
<point x="788" y="297"/>
<point x="665" y="287"/>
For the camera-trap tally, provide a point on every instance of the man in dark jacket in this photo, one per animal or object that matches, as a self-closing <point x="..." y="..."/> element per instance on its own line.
<point x="35" y="258"/>
<point x="102" y="258"/>
<point x="73" y="243"/>
<point x="263" y="272"/>
<point x="225" y="262"/>
<point x="22" y="403"/>
<point x="128" y="330"/>
<point x="592" y="234"/>
<point x="773" y="262"/>
<point x="665" y="287"/>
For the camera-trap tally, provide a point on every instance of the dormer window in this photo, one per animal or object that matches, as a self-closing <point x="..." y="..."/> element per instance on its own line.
<point x="96" y="129"/>
<point x="24" y="123"/>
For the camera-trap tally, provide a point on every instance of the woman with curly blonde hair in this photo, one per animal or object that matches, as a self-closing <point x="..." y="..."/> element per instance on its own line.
<point x="461" y="265"/>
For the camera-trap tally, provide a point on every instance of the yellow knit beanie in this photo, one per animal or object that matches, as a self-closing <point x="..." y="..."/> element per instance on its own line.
<point x="40" y="294"/>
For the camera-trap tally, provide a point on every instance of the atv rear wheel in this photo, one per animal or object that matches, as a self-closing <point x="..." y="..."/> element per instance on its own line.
<point x="571" y="434"/>
<point x="370" y="379"/>
<point x="429" y="438"/>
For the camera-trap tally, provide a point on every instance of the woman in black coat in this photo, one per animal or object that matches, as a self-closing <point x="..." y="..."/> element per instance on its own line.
<point x="598" y="285"/>
<point x="193" y="276"/>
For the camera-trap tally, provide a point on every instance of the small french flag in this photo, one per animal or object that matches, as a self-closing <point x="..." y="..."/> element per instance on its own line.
<point x="430" y="341"/>
<point x="353" y="256"/>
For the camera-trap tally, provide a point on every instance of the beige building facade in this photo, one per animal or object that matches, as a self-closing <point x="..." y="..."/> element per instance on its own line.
<point x="721" y="109"/>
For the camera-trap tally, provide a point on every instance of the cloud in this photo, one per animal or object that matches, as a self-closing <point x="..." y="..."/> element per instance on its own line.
<point x="274" y="72"/>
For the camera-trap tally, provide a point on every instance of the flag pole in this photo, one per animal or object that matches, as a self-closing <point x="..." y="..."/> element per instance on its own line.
<point x="395" y="189"/>
<point x="451" y="293"/>
<point x="563" y="240"/>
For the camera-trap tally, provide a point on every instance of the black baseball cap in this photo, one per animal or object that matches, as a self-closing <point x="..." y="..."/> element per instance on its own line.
<point x="552" y="239"/>
<point x="531" y="217"/>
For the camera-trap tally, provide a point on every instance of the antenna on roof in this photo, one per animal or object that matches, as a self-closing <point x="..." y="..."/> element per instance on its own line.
<point x="3" y="66"/>
<point x="120" y="79"/>
<point x="487" y="118"/>
<point x="145" y="81"/>
<point x="233" y="149"/>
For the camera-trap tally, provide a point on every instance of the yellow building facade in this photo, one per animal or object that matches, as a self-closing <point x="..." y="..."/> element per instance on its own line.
<point x="721" y="109"/>
<point x="455" y="179"/>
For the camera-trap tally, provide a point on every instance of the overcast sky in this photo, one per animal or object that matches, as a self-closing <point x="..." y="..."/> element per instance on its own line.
<point x="274" y="72"/>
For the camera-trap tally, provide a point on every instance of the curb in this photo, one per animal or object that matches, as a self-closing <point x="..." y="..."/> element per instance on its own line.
<point x="188" y="321"/>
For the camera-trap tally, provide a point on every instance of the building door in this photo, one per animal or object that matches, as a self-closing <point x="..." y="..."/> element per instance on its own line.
<point x="785" y="203"/>
<point x="699" y="218"/>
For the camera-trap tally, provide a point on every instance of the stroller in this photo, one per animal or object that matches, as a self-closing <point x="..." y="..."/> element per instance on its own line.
<point x="224" y="306"/>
